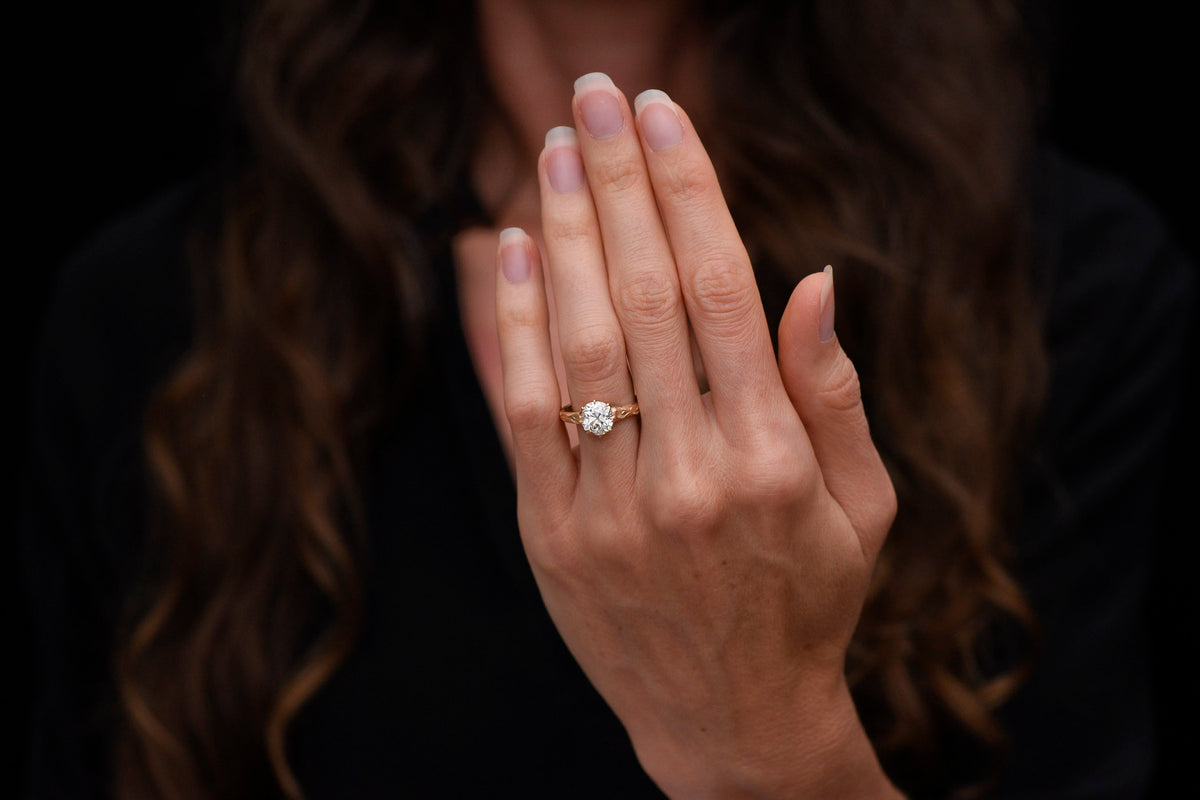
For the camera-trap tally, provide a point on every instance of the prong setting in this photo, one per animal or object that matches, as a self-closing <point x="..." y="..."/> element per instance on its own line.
<point x="597" y="417"/>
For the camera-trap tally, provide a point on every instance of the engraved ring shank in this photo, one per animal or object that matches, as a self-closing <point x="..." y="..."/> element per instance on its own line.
<point x="597" y="417"/>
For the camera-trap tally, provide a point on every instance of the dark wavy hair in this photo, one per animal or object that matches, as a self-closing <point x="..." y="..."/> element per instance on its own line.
<point x="890" y="138"/>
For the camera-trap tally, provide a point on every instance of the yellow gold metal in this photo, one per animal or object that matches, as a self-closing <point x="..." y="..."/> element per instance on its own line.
<point x="569" y="414"/>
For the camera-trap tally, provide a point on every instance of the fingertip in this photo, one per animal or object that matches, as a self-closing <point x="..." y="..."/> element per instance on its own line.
<point x="514" y="255"/>
<point x="827" y="306"/>
<point x="658" y="120"/>
<point x="561" y="162"/>
<point x="803" y="310"/>
<point x="510" y="236"/>
<point x="802" y="346"/>
<point x="594" y="80"/>
<point x="599" y="105"/>
<point x="651" y="96"/>
<point x="560" y="136"/>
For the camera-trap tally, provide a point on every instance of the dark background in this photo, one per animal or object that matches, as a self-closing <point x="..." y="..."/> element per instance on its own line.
<point x="115" y="101"/>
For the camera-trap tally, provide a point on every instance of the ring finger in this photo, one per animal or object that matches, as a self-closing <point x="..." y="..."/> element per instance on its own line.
<point x="590" y="337"/>
<point x="643" y="280"/>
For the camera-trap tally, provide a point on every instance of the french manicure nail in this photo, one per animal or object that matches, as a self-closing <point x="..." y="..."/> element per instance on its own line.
<point x="564" y="166"/>
<point x="514" y="255"/>
<point x="827" y="306"/>
<point x="599" y="106"/>
<point x="657" y="119"/>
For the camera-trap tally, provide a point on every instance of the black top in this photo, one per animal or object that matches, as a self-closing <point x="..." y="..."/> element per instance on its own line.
<point x="460" y="685"/>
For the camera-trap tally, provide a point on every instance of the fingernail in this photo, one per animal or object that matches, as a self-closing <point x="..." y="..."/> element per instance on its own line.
<point x="827" y="306"/>
<point x="564" y="167"/>
<point x="657" y="118"/>
<point x="514" y="255"/>
<point x="599" y="106"/>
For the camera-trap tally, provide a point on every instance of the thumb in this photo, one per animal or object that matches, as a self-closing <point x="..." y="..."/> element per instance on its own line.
<point x="823" y="385"/>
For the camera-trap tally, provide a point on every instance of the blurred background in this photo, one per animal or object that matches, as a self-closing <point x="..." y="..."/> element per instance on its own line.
<point x="113" y="102"/>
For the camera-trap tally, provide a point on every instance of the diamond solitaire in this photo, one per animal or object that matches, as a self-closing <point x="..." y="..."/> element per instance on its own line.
<point x="596" y="417"/>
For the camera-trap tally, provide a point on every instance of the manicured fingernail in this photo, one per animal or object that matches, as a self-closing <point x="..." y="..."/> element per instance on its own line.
<point x="514" y="255"/>
<point x="827" y="306"/>
<point x="564" y="167"/>
<point x="657" y="118"/>
<point x="599" y="105"/>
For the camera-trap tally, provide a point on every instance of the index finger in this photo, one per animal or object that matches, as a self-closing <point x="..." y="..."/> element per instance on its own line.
<point x="715" y="274"/>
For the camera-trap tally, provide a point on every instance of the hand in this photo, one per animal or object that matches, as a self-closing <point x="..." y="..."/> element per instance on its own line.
<point x="705" y="562"/>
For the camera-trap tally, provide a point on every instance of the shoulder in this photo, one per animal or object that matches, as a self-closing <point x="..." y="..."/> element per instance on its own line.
<point x="125" y="246"/>
<point x="119" y="319"/>
<point x="1107" y="262"/>
<point x="121" y="309"/>
<point x="1119" y="303"/>
<point x="1119" y="294"/>
<point x="130" y="268"/>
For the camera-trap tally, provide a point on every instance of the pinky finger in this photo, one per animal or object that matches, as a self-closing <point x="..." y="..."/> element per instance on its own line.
<point x="545" y="468"/>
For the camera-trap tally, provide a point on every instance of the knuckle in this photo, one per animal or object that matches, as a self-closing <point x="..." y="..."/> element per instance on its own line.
<point x="684" y="505"/>
<point x="614" y="549"/>
<point x="552" y="548"/>
<point x="722" y="285"/>
<point x="532" y="409"/>
<point x="618" y="175"/>
<point x="690" y="182"/>
<point x="776" y="474"/>
<point x="595" y="354"/>
<point x="887" y="503"/>
<point x="570" y="229"/>
<point x="841" y="390"/>
<point x="649" y="296"/>
<point x="520" y="318"/>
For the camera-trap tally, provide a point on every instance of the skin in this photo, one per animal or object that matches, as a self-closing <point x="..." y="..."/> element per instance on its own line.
<point x="706" y="562"/>
<point x="533" y="51"/>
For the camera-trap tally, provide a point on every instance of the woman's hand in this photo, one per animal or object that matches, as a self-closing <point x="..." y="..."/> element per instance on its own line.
<point x="705" y="562"/>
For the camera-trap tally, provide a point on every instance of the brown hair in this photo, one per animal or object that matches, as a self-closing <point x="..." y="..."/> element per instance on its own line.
<point x="886" y="137"/>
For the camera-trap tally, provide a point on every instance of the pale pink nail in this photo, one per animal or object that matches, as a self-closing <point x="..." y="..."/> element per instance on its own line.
<point x="564" y="166"/>
<point x="599" y="106"/>
<point x="827" y="306"/>
<point x="657" y="118"/>
<point x="514" y="255"/>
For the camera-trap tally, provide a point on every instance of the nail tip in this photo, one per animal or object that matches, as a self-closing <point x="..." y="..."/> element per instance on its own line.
<point x="594" y="79"/>
<point x="827" y="285"/>
<point x="651" y="96"/>
<point x="826" y="305"/>
<point x="511" y="236"/>
<point x="561" y="135"/>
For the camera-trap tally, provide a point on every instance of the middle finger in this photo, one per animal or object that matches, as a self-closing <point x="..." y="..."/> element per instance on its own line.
<point x="641" y="270"/>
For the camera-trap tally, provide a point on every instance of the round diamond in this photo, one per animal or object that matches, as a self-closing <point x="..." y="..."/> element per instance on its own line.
<point x="597" y="417"/>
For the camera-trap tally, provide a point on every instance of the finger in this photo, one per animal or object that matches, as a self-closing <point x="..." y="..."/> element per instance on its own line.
<point x="545" y="468"/>
<point x="641" y="270"/>
<point x="715" y="274"/>
<point x="590" y="337"/>
<point x="823" y="386"/>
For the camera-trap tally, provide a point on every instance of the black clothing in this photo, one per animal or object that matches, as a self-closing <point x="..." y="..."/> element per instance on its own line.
<point x="460" y="685"/>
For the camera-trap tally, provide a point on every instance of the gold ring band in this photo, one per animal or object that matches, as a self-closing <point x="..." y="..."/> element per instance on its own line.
<point x="597" y="417"/>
